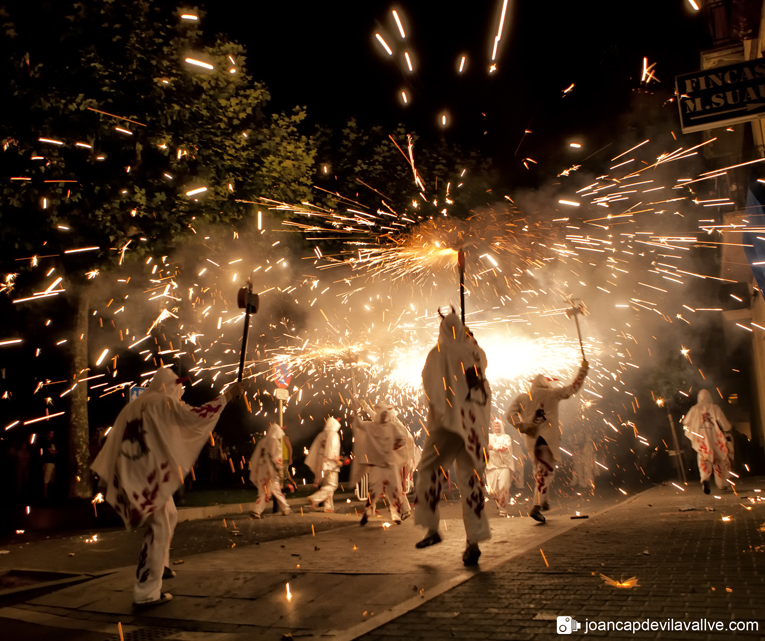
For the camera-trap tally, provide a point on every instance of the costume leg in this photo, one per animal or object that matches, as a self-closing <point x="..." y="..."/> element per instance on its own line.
<point x="263" y="497"/>
<point x="276" y="491"/>
<point x="154" y="553"/>
<point x="437" y="454"/>
<point x="172" y="517"/>
<point x="405" y="507"/>
<point x="375" y="489"/>
<point x="544" y="470"/>
<point x="705" y="467"/>
<point x="393" y="491"/>
<point x="330" y="485"/>
<point x="472" y="497"/>
<point x="503" y="489"/>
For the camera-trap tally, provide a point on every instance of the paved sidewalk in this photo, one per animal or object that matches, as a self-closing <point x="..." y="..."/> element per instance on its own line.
<point x="339" y="580"/>
<point x="690" y="564"/>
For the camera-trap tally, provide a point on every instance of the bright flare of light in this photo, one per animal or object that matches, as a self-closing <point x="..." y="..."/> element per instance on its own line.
<point x="694" y="5"/>
<point x="568" y="202"/>
<point x="499" y="31"/>
<point x="194" y="192"/>
<point x="199" y="63"/>
<point x="289" y="594"/>
<point x="403" y="96"/>
<point x="102" y="357"/>
<point x="443" y="120"/>
<point x="398" y="22"/>
<point x="462" y="63"/>
<point x="188" y="16"/>
<point x="384" y="44"/>
<point x="408" y="61"/>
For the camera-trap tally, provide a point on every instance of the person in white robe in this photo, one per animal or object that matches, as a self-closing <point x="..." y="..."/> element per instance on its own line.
<point x="459" y="414"/>
<point x="379" y="451"/>
<point x="410" y="464"/>
<point x="147" y="454"/>
<point x="584" y="462"/>
<point x="500" y="467"/>
<point x="536" y="416"/>
<point x="266" y="471"/>
<point x="709" y="431"/>
<point x="519" y="460"/>
<point x="324" y="461"/>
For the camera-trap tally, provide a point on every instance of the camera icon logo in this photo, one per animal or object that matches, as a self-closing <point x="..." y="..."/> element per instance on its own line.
<point x="567" y="625"/>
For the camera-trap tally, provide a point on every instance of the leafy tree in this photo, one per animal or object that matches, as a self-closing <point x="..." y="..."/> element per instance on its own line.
<point x="108" y="131"/>
<point x="373" y="164"/>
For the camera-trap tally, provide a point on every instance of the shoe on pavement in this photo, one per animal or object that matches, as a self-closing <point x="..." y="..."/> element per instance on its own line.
<point x="536" y="514"/>
<point x="546" y="506"/>
<point x="163" y="598"/>
<point x="398" y="521"/>
<point x="364" y="520"/>
<point x="168" y="573"/>
<point x="313" y="507"/>
<point x="502" y="514"/>
<point x="430" y="539"/>
<point x="328" y="510"/>
<point x="705" y="485"/>
<point x="471" y="554"/>
<point x="286" y="512"/>
<point x="256" y="515"/>
<point x="405" y="516"/>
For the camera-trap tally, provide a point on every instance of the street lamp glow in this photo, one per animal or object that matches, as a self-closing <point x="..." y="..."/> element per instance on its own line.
<point x="384" y="44"/>
<point x="199" y="63"/>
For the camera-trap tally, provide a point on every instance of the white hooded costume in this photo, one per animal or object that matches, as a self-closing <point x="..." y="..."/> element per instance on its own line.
<point x="584" y="462"/>
<point x="709" y="431"/>
<point x="536" y="415"/>
<point x="324" y="461"/>
<point x="500" y="467"/>
<point x="379" y="450"/>
<point x="266" y="469"/>
<point x="459" y="413"/>
<point x="152" y="446"/>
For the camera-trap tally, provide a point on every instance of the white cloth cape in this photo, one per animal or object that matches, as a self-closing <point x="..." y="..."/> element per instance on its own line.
<point x="539" y="408"/>
<point x="456" y="388"/>
<point x="152" y="446"/>
<point x="266" y="462"/>
<point x="324" y="450"/>
<point x="380" y="443"/>
<point x="704" y="425"/>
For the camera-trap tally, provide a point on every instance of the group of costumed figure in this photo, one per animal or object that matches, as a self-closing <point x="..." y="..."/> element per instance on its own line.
<point x="157" y="437"/>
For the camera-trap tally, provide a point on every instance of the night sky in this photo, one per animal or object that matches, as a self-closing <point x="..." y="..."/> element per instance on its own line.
<point x="325" y="56"/>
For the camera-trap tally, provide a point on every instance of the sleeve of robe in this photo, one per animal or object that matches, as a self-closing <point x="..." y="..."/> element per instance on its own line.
<point x="567" y="391"/>
<point x="514" y="414"/>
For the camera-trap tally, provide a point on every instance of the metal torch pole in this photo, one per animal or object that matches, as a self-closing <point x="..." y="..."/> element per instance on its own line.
<point x="246" y="332"/>
<point x="461" y="265"/>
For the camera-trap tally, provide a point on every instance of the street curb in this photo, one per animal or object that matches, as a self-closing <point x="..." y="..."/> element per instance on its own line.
<point x="68" y="578"/>
<point x="407" y="606"/>
<point x="207" y="511"/>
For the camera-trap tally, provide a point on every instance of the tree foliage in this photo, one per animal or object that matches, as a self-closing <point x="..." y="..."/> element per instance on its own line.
<point x="107" y="126"/>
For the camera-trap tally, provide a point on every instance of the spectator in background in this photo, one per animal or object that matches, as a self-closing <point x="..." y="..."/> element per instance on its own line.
<point x="216" y="458"/>
<point x="49" y="459"/>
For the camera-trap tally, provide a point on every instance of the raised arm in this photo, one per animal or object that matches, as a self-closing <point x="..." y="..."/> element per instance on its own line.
<point x="569" y="390"/>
